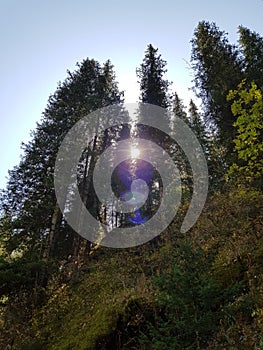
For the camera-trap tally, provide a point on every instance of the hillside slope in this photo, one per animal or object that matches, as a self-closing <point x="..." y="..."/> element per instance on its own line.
<point x="115" y="301"/>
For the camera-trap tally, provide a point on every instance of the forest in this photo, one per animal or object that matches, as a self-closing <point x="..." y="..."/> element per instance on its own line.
<point x="200" y="289"/>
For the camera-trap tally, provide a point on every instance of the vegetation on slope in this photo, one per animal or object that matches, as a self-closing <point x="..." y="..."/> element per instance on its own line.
<point x="203" y="290"/>
<point x="199" y="290"/>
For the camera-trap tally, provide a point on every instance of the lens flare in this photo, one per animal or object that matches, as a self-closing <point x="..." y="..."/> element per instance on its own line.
<point x="135" y="152"/>
<point x="135" y="183"/>
<point x="137" y="219"/>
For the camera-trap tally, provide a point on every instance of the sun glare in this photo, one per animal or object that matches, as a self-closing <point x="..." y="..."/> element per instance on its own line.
<point x="135" y="152"/>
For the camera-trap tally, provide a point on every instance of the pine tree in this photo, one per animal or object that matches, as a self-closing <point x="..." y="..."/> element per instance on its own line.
<point x="193" y="302"/>
<point x="251" y="47"/>
<point x="153" y="86"/>
<point x="187" y="297"/>
<point x="197" y="125"/>
<point x="217" y="69"/>
<point x="177" y="153"/>
<point x="211" y="148"/>
<point x="154" y="89"/>
<point x="179" y="109"/>
<point x="36" y="223"/>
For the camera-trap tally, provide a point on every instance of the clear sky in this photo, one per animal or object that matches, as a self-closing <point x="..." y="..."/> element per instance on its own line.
<point x="40" y="40"/>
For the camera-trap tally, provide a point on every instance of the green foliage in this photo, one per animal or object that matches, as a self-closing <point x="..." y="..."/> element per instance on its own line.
<point x="103" y="306"/>
<point x="205" y="291"/>
<point x="179" y="109"/>
<point x="217" y="69"/>
<point x="153" y="85"/>
<point x="17" y="274"/>
<point x="33" y="220"/>
<point x="220" y="67"/>
<point x="200" y="290"/>
<point x="187" y="298"/>
<point x="247" y="106"/>
<point x="198" y="126"/>
<point x="192" y="302"/>
<point x="231" y="230"/>
<point x="251" y="47"/>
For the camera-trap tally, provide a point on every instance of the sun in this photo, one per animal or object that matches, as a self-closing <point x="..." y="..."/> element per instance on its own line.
<point x="135" y="152"/>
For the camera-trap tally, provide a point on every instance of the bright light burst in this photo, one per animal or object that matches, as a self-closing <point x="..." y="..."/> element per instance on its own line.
<point x="135" y="152"/>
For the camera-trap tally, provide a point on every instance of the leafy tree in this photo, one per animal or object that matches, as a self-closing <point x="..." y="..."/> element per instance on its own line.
<point x="247" y="106"/>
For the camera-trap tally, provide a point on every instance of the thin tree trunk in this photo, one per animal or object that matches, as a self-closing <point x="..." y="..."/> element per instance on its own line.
<point x="49" y="247"/>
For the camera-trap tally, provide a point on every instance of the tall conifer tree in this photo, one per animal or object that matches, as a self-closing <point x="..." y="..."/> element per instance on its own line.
<point x="218" y="68"/>
<point x="251" y="47"/>
<point x="29" y="202"/>
<point x="153" y="86"/>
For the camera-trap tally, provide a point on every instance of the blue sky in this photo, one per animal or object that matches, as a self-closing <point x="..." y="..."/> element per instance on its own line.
<point x="40" y="40"/>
